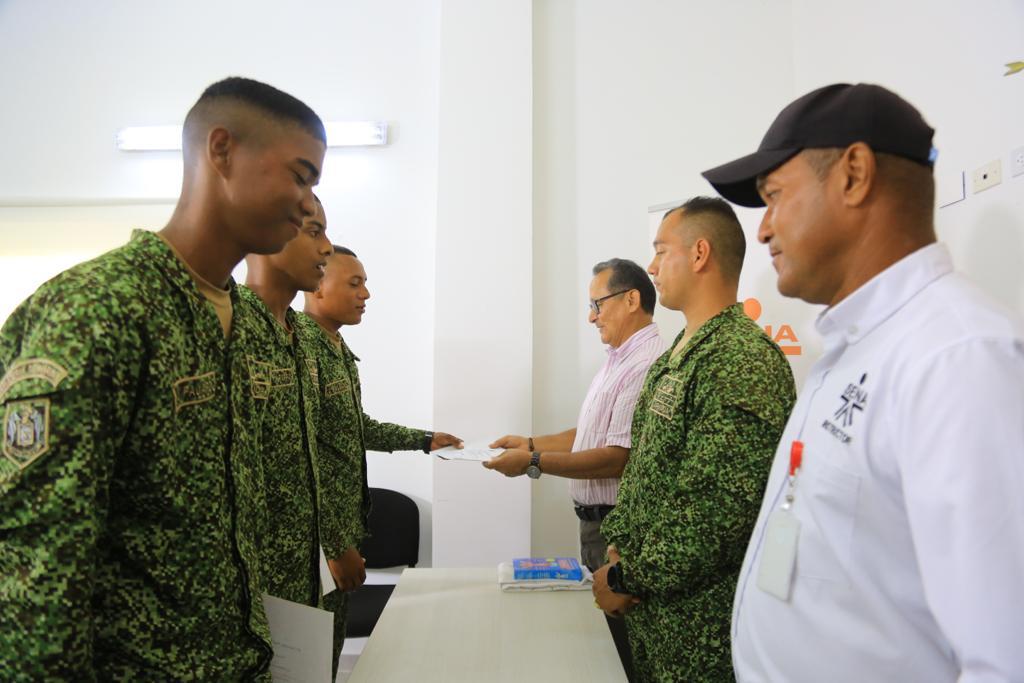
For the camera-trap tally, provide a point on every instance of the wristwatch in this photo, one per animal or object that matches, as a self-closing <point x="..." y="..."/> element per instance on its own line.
<point x="614" y="577"/>
<point x="428" y="438"/>
<point x="533" y="469"/>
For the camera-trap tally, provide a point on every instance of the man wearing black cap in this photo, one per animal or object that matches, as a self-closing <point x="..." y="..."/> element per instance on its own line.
<point x="890" y="542"/>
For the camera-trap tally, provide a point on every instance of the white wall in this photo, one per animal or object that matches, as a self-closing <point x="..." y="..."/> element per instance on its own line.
<point x="947" y="58"/>
<point x="37" y="243"/>
<point x="632" y="100"/>
<point x="483" y="346"/>
<point x="76" y="72"/>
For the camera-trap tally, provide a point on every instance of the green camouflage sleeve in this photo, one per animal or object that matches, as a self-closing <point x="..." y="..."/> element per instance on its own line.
<point x="344" y="433"/>
<point x="69" y="371"/>
<point x="341" y="518"/>
<point x="339" y="442"/>
<point x="385" y="436"/>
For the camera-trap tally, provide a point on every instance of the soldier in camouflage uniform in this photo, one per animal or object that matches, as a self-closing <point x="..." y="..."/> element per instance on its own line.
<point x="345" y="432"/>
<point x="128" y="516"/>
<point x="704" y="431"/>
<point x="290" y="539"/>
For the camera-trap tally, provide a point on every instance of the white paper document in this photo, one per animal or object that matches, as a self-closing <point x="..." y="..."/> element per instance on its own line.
<point x="326" y="580"/>
<point x="468" y="453"/>
<point x="303" y="641"/>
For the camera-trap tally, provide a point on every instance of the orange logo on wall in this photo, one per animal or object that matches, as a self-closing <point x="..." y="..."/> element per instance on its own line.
<point x="785" y="337"/>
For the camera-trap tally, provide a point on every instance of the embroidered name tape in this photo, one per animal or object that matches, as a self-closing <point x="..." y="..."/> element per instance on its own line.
<point x="189" y="391"/>
<point x="667" y="395"/>
<point x="336" y="387"/>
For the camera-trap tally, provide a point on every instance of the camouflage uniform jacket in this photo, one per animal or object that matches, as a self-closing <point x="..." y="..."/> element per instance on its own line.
<point x="126" y="516"/>
<point x="344" y="434"/>
<point x="704" y="433"/>
<point x="289" y="537"/>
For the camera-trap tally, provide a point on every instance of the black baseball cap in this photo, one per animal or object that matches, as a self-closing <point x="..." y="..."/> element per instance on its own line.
<point x="834" y="116"/>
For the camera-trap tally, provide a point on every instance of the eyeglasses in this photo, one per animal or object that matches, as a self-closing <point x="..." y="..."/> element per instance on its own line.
<point x="595" y="304"/>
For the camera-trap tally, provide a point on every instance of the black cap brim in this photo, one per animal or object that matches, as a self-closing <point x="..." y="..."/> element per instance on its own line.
<point x="737" y="180"/>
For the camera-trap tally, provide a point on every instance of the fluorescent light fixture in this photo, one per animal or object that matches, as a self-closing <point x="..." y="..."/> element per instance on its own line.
<point x="339" y="134"/>
<point x="356" y="133"/>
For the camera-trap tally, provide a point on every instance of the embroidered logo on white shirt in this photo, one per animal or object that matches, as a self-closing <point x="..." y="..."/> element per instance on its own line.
<point x="853" y="400"/>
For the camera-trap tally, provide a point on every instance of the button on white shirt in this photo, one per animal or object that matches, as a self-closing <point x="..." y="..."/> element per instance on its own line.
<point x="910" y="556"/>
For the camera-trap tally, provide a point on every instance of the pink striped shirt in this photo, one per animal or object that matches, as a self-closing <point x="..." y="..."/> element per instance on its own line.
<point x="607" y="413"/>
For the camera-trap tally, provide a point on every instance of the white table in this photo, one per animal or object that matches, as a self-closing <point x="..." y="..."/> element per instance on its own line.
<point x="455" y="625"/>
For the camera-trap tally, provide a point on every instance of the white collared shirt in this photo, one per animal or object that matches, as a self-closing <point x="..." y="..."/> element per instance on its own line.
<point x="910" y="555"/>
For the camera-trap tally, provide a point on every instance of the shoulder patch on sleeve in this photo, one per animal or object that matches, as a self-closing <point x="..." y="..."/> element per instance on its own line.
<point x="32" y="368"/>
<point x="26" y="430"/>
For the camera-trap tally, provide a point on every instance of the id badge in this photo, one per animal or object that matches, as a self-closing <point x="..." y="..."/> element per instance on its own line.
<point x="775" y="574"/>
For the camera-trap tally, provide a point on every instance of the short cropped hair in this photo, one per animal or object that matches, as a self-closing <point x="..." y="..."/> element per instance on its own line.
<point x="713" y="219"/>
<point x="910" y="182"/>
<point x="628" y="275"/>
<point x="344" y="251"/>
<point x="822" y="159"/>
<point x="264" y="98"/>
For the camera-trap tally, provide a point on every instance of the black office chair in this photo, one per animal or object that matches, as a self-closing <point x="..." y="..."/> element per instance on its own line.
<point x="394" y="541"/>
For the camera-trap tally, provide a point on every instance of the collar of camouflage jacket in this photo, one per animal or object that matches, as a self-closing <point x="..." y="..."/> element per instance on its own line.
<point x="151" y="245"/>
<point x="705" y="331"/>
<point x="283" y="336"/>
<point x="323" y="337"/>
<point x="345" y="348"/>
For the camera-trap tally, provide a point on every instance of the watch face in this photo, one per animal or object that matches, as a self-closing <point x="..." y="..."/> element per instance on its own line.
<point x="533" y="472"/>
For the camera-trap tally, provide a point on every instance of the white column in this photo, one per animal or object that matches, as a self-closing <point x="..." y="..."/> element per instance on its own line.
<point x="483" y="325"/>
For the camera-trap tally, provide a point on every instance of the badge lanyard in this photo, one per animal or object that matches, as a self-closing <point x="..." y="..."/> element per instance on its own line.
<point x="796" y="458"/>
<point x="782" y="531"/>
<point x="777" y="546"/>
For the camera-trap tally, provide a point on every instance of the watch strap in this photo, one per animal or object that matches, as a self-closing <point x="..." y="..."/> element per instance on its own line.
<point x="615" y="581"/>
<point x="428" y="438"/>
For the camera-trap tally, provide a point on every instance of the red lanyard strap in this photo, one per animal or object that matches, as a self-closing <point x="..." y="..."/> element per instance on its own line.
<point x="796" y="456"/>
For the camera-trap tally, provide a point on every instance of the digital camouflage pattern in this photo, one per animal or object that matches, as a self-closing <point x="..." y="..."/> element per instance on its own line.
<point x="344" y="434"/>
<point x="289" y="536"/>
<point x="128" y="510"/>
<point x="336" y="602"/>
<point x="704" y="433"/>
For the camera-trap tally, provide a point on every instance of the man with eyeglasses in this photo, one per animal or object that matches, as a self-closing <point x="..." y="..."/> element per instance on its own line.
<point x="594" y="452"/>
<point x="707" y="422"/>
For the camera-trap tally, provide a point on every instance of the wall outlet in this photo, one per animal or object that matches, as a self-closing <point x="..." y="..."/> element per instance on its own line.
<point x="1017" y="161"/>
<point x="989" y="175"/>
